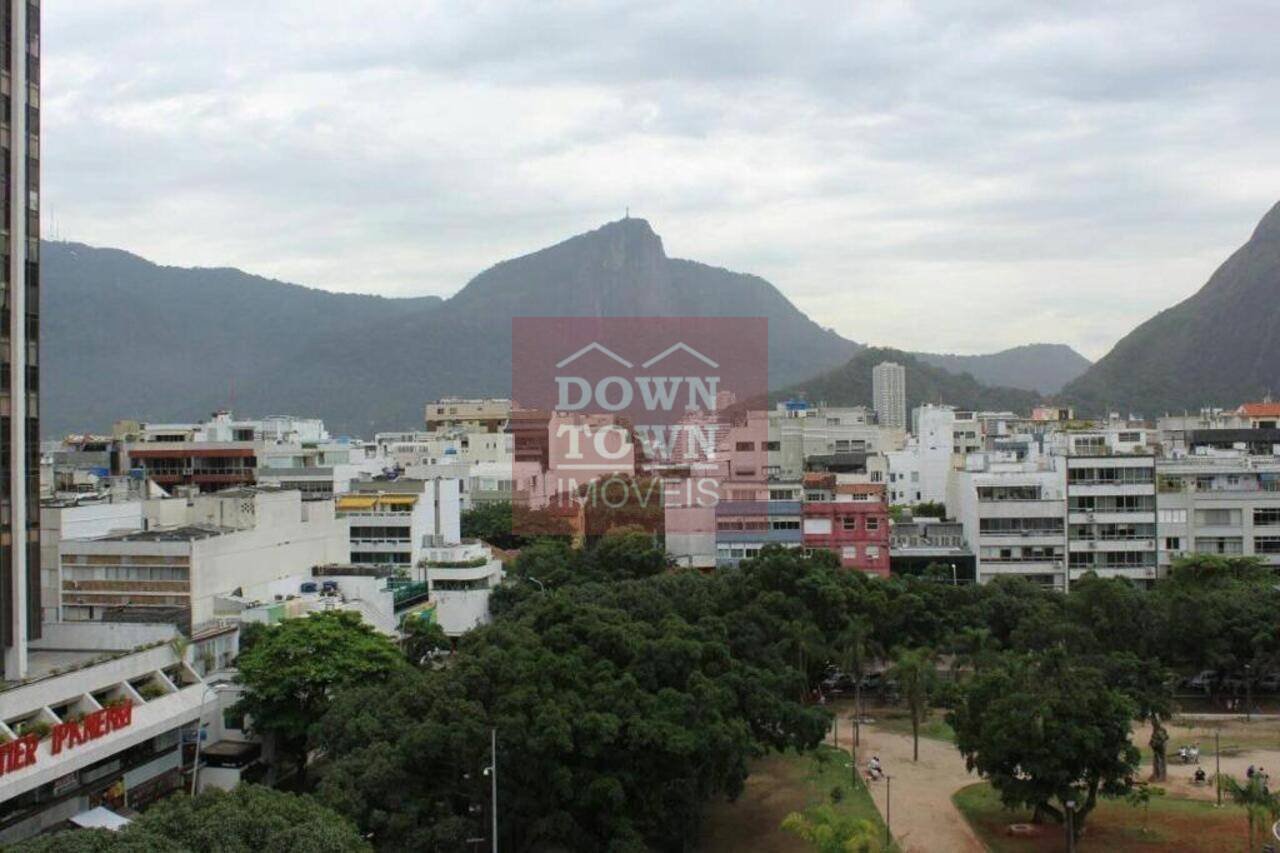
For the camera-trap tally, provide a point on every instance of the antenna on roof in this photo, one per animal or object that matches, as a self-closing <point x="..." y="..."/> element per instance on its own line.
<point x="627" y="215"/>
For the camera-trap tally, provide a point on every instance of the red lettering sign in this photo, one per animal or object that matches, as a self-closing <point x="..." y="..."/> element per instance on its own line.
<point x="92" y="727"/>
<point x="17" y="754"/>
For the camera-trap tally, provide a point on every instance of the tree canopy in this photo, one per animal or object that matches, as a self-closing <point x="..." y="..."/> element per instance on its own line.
<point x="250" y="819"/>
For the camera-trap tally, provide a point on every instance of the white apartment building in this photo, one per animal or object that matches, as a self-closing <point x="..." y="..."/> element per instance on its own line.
<point x="799" y="431"/>
<point x="889" y="394"/>
<point x="391" y="522"/>
<point x="1219" y="502"/>
<point x="921" y="472"/>
<point x="461" y="577"/>
<point x="74" y="520"/>
<point x="189" y="552"/>
<point x="1111" y="515"/>
<point x="1014" y="516"/>
<point x="222" y="426"/>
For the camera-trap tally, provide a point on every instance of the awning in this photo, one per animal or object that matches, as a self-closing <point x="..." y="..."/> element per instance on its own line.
<point x="101" y="818"/>
<point x="398" y="500"/>
<point x="357" y="502"/>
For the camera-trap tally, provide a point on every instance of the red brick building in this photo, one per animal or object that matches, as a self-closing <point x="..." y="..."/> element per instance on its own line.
<point x="849" y="519"/>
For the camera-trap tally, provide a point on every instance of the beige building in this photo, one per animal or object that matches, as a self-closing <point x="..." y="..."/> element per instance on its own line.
<point x="189" y="552"/>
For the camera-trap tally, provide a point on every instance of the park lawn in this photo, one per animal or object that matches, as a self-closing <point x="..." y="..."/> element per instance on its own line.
<point x="779" y="784"/>
<point x="898" y="721"/>
<point x="1174" y="825"/>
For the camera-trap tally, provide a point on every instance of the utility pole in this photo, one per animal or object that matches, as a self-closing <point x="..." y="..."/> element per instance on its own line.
<point x="1248" y="693"/>
<point x="493" y="783"/>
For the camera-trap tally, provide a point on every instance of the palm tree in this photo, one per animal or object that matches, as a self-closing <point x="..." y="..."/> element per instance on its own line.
<point x="857" y="648"/>
<point x="1260" y="805"/>
<point x="916" y="675"/>
<point x="808" y="643"/>
<point x="972" y="646"/>
<point x="830" y="832"/>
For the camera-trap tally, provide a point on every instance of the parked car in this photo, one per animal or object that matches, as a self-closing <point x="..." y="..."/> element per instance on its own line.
<point x="1202" y="680"/>
<point x="1269" y="683"/>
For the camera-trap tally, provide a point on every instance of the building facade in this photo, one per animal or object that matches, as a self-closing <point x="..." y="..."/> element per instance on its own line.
<point x="1224" y="504"/>
<point x="889" y="394"/>
<point x="19" y="397"/>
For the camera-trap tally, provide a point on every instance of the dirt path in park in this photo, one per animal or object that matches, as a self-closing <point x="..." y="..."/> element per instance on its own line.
<point x="923" y="818"/>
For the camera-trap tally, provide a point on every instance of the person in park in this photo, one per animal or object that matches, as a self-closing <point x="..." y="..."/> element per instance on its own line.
<point x="874" y="770"/>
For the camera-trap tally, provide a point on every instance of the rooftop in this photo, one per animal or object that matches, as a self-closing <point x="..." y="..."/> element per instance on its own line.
<point x="181" y="533"/>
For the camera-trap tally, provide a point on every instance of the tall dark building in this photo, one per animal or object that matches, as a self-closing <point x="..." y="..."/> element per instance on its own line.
<point x="19" y="335"/>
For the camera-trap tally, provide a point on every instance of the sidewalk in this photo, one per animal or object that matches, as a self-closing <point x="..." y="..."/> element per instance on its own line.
<point x="922" y="817"/>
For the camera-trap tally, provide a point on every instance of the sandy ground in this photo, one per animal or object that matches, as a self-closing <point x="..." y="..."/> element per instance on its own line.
<point x="923" y="818"/>
<point x="1254" y="749"/>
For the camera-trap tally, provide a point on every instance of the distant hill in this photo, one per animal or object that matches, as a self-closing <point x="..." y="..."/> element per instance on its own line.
<point x="123" y="337"/>
<point x="1219" y="347"/>
<point x="1033" y="367"/>
<point x="850" y="385"/>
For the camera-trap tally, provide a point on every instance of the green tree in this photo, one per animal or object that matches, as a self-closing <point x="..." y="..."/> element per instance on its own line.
<point x="828" y="831"/>
<point x="422" y="639"/>
<point x="291" y="673"/>
<point x="492" y="523"/>
<point x="1044" y="730"/>
<point x="916" y="674"/>
<point x="1260" y="805"/>
<point x="250" y="819"/>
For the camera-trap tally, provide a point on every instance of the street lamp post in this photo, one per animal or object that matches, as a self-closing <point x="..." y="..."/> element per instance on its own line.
<point x="1217" y="764"/>
<point x="888" y="811"/>
<point x="492" y="770"/>
<point x="195" y="767"/>
<point x="1248" y="693"/>
<point x="1071" y="826"/>
<point x="541" y="585"/>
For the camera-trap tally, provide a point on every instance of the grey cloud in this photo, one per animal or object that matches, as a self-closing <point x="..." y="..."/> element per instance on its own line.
<point x="1052" y="151"/>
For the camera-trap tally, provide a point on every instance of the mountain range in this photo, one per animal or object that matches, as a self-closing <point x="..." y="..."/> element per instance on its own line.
<point x="850" y="384"/>
<point x="123" y="337"/>
<point x="1219" y="347"/>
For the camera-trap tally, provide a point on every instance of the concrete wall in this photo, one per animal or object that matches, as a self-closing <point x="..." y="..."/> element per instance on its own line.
<point x="252" y="559"/>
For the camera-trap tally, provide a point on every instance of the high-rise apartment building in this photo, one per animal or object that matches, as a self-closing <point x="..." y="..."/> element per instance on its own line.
<point x="889" y="393"/>
<point x="19" y="346"/>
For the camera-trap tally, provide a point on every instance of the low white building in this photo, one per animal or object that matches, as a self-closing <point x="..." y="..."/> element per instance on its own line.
<point x="191" y="551"/>
<point x="461" y="579"/>
<point x="98" y="728"/>
<point x="390" y="522"/>
<point x="1014" y="516"/>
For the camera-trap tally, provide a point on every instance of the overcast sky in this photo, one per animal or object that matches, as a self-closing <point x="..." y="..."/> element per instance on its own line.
<point x="944" y="176"/>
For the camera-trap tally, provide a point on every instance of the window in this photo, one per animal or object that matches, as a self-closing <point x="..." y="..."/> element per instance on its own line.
<point x="1173" y="516"/>
<point x="849" y="552"/>
<point x="849" y="522"/>
<point x="1266" y="544"/>
<point x="873" y="524"/>
<point x="1218" y="517"/>
<point x="745" y="445"/>
<point x="817" y="526"/>
<point x="873" y="552"/>
<point x="1219" y="545"/>
<point x="1267" y="516"/>
<point x="1173" y="543"/>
